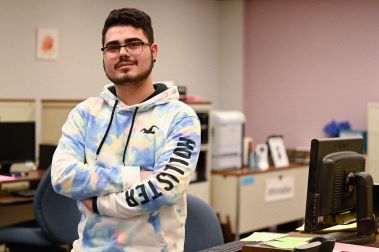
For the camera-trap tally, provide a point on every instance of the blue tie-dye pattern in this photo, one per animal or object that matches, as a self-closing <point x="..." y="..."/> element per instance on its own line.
<point x="94" y="138"/>
<point x="92" y="143"/>
<point x="91" y="234"/>
<point x="148" y="158"/>
<point x="58" y="188"/>
<point x="155" y="222"/>
<point x="87" y="234"/>
<point x="104" y="177"/>
<point x="74" y="146"/>
<point x="80" y="180"/>
<point x="69" y="169"/>
<point x="115" y="249"/>
<point x="165" y="155"/>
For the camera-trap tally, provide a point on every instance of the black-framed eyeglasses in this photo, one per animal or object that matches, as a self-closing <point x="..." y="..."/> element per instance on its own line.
<point x="133" y="48"/>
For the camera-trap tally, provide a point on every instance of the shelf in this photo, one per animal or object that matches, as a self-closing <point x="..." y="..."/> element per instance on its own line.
<point x="201" y="186"/>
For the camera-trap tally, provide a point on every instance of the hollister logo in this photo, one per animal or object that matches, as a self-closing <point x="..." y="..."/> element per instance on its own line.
<point x="166" y="179"/>
<point x="149" y="131"/>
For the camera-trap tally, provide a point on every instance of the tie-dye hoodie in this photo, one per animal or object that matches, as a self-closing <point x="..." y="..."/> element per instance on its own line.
<point x="104" y="146"/>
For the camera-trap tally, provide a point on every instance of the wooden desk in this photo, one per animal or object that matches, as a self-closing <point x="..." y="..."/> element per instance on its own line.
<point x="362" y="248"/>
<point x="9" y="199"/>
<point x="254" y="199"/>
<point x="15" y="209"/>
<point x="32" y="176"/>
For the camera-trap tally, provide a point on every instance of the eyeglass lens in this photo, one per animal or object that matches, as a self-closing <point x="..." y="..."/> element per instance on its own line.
<point x="133" y="48"/>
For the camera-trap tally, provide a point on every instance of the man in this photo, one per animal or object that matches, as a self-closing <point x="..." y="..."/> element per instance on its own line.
<point x="128" y="155"/>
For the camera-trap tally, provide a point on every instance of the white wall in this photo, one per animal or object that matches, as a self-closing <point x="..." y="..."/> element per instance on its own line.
<point x="231" y="54"/>
<point x="187" y="32"/>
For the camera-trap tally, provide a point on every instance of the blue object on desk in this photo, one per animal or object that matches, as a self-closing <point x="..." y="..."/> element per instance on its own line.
<point x="18" y="174"/>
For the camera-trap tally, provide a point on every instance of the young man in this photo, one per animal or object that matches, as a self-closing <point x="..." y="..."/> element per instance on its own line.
<point x="128" y="155"/>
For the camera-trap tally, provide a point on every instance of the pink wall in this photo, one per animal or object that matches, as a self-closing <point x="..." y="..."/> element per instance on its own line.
<point x="308" y="62"/>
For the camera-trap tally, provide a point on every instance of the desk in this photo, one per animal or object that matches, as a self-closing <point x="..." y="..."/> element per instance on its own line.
<point x="32" y="176"/>
<point x="14" y="209"/>
<point x="241" y="195"/>
<point x="371" y="245"/>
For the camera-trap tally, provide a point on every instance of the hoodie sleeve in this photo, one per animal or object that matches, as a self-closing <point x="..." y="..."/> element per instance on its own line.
<point x="72" y="176"/>
<point x="170" y="179"/>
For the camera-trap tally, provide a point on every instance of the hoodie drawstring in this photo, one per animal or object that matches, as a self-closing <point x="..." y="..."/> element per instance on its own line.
<point x="106" y="132"/>
<point x="130" y="133"/>
<point x="109" y="126"/>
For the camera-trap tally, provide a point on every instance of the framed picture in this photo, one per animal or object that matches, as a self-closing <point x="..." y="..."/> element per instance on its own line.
<point x="47" y="44"/>
<point x="278" y="151"/>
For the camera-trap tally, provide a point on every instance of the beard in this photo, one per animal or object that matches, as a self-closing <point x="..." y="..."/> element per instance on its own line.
<point x="126" y="80"/>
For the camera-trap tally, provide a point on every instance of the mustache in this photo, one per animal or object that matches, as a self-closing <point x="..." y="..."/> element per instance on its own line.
<point x="124" y="60"/>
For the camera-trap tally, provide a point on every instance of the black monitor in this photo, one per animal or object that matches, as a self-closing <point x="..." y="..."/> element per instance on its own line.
<point x="339" y="190"/>
<point x="17" y="144"/>
<point x="46" y="152"/>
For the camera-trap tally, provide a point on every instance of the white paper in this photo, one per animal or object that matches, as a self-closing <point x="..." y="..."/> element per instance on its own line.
<point x="279" y="188"/>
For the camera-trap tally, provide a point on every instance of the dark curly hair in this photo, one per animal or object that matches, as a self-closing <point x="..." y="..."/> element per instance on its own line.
<point x="132" y="17"/>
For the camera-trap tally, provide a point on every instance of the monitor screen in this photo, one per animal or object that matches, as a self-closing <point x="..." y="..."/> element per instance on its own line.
<point x="339" y="189"/>
<point x="46" y="152"/>
<point x="17" y="143"/>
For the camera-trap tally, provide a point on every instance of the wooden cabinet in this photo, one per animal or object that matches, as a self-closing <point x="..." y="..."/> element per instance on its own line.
<point x="254" y="200"/>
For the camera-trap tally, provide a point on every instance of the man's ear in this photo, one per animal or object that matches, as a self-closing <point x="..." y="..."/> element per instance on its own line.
<point x="154" y="51"/>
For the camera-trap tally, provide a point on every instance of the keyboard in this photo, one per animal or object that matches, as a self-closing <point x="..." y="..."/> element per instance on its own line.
<point x="25" y="193"/>
<point x="233" y="246"/>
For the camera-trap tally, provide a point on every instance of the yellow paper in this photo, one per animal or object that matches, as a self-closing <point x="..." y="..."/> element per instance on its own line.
<point x="336" y="228"/>
<point x="263" y="236"/>
<point x="288" y="242"/>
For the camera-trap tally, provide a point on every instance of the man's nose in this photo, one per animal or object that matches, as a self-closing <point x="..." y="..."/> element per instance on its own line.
<point x="123" y="50"/>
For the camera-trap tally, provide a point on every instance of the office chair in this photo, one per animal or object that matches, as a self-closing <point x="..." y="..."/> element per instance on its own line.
<point x="203" y="229"/>
<point x="56" y="222"/>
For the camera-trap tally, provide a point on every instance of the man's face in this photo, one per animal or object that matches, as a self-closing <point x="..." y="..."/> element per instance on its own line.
<point x="128" y="68"/>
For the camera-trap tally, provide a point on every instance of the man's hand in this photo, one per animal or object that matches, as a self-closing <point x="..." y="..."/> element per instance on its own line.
<point x="88" y="204"/>
<point x="145" y="174"/>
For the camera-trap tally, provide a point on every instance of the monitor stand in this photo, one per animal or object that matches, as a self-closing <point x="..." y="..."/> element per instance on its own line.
<point x="352" y="237"/>
<point x="366" y="223"/>
<point x="5" y="169"/>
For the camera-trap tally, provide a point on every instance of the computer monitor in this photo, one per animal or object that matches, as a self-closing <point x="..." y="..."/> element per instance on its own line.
<point x="46" y="152"/>
<point x="339" y="190"/>
<point x="17" y="144"/>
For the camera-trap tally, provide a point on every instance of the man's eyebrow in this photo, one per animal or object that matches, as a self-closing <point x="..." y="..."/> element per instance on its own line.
<point x="132" y="40"/>
<point x="113" y="42"/>
<point x="128" y="40"/>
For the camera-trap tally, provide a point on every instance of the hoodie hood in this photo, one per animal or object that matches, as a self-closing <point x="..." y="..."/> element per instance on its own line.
<point x="163" y="94"/>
